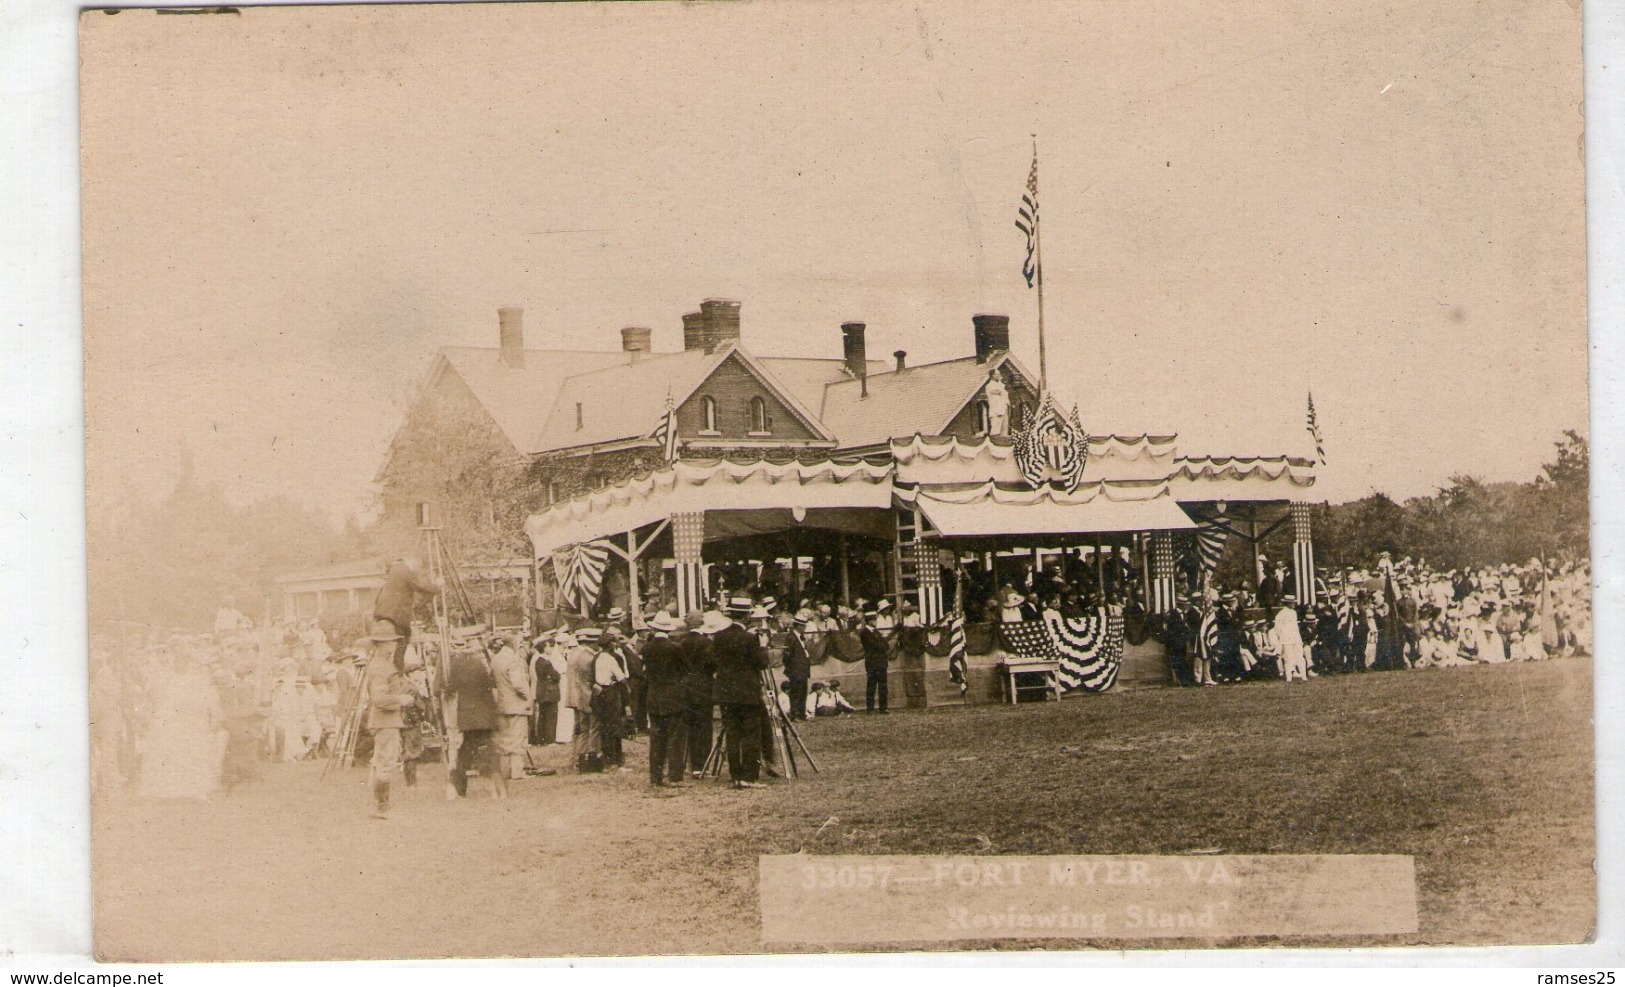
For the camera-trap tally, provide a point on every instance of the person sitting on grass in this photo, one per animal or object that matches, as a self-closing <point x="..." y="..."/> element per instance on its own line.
<point x="827" y="700"/>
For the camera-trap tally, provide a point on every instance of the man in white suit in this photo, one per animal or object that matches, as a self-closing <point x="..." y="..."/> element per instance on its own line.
<point x="1288" y="641"/>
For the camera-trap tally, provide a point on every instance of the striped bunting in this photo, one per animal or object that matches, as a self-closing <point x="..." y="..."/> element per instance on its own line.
<point x="579" y="571"/>
<point x="957" y="664"/>
<point x="1210" y="539"/>
<point x="1089" y="648"/>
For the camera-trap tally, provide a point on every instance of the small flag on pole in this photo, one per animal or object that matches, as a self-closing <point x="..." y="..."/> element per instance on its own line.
<point x="1027" y="222"/>
<point x="1314" y="430"/>
<point x="666" y="432"/>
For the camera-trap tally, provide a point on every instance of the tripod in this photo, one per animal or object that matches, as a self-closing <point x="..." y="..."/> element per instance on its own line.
<point x="443" y="569"/>
<point x="342" y="752"/>
<point x="786" y="738"/>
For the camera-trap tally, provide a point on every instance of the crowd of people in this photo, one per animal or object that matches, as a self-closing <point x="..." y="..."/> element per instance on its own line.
<point x="1387" y="616"/>
<point x="188" y="715"/>
<point x="184" y="715"/>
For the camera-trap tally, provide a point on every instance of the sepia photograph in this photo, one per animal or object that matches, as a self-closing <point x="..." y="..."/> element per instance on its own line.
<point x="687" y="478"/>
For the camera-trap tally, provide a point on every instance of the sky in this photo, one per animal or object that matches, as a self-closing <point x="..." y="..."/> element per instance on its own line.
<point x="287" y="211"/>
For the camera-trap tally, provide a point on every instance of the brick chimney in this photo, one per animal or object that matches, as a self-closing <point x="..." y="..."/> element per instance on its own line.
<point x="721" y="319"/>
<point x="902" y="357"/>
<point x="992" y="335"/>
<point x="694" y="334"/>
<point x="511" y="322"/>
<point x="635" y="340"/>
<point x="857" y="356"/>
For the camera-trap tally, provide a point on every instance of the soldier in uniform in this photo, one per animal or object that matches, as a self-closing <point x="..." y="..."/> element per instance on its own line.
<point x="388" y="696"/>
<point x="396" y="600"/>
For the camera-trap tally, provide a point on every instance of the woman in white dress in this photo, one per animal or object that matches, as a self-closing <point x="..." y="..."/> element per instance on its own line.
<point x="1528" y="646"/>
<point x="187" y="738"/>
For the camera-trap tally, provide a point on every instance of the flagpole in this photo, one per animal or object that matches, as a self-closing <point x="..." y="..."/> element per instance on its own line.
<point x="1038" y="248"/>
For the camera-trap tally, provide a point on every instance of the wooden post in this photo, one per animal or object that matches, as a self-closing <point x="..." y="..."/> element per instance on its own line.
<point x="846" y="578"/>
<point x="1100" y="572"/>
<point x="634" y="604"/>
<point x="1258" y="566"/>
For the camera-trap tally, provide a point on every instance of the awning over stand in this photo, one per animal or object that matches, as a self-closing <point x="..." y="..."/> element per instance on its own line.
<point x="1047" y="517"/>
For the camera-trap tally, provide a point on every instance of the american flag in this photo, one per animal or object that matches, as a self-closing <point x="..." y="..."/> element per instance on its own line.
<point x="1314" y="430"/>
<point x="1027" y="222"/>
<point x="665" y="432"/>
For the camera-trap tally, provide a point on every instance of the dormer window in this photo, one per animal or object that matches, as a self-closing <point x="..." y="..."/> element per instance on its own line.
<point x="708" y="407"/>
<point x="984" y="418"/>
<point x="759" y="424"/>
<point x="580" y="419"/>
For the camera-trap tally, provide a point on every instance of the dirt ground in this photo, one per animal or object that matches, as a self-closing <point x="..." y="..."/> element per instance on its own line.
<point x="1484" y="774"/>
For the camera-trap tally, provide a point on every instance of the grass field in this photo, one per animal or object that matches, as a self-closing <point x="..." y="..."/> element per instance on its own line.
<point x="1483" y="774"/>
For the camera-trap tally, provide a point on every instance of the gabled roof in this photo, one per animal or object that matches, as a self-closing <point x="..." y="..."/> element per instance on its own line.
<point x="919" y="400"/>
<point x="806" y="377"/>
<point x="627" y="402"/>
<point x="519" y="399"/>
<point x="620" y="402"/>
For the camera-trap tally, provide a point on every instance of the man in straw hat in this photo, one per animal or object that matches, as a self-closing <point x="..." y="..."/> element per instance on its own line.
<point x="699" y="664"/>
<point x="578" y="685"/>
<point x="545" y="675"/>
<point x="1289" y="639"/>
<point x="667" y="702"/>
<point x="609" y="701"/>
<point x="798" y="664"/>
<point x="876" y="664"/>
<point x="470" y="691"/>
<point x="514" y="697"/>
<point x="740" y="659"/>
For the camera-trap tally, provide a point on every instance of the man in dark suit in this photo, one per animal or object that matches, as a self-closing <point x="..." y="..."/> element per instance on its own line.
<point x="876" y="664"/>
<point x="797" y="665"/>
<point x="396" y="600"/>
<point x="470" y="690"/>
<point x="699" y="664"/>
<point x="1271" y="586"/>
<point x="545" y="721"/>
<point x="666" y="701"/>
<point x="740" y="659"/>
